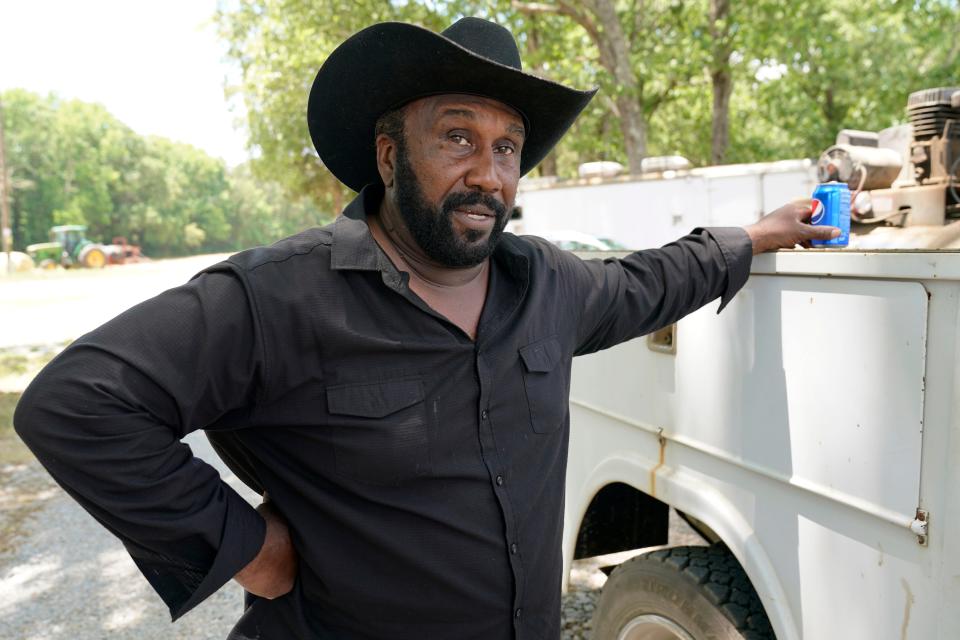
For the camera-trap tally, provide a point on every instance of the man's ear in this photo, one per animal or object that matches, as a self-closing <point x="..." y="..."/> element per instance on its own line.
<point x="386" y="159"/>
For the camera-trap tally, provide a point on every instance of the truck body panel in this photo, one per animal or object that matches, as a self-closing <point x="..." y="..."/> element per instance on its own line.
<point x="639" y="212"/>
<point x="810" y="426"/>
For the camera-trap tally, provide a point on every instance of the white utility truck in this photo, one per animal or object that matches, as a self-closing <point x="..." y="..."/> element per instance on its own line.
<point x="661" y="205"/>
<point x="810" y="433"/>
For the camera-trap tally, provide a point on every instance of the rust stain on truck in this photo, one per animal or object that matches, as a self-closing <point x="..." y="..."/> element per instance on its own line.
<point x="653" y="472"/>
<point x="908" y="605"/>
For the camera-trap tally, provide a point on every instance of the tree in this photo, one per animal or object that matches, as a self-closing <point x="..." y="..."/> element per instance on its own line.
<point x="183" y="191"/>
<point x="279" y="45"/>
<point x="641" y="49"/>
<point x="97" y="156"/>
<point x="841" y="65"/>
<point x="713" y="80"/>
<point x="74" y="163"/>
<point x="32" y="163"/>
<point x="261" y="212"/>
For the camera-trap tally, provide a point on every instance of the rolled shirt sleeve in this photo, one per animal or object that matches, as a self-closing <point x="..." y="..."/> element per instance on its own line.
<point x="650" y="289"/>
<point x="106" y="417"/>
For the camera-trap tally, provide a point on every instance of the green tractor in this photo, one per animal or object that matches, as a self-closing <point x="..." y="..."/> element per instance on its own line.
<point x="68" y="247"/>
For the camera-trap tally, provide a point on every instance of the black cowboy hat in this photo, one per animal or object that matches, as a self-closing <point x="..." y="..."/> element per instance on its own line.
<point x="390" y="64"/>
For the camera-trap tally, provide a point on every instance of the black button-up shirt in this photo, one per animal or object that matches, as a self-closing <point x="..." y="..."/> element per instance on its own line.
<point x="422" y="473"/>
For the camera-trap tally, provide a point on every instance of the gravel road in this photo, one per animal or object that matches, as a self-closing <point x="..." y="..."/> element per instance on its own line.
<point x="63" y="576"/>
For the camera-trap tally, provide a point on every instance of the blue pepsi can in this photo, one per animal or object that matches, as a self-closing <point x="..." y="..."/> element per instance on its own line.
<point x="831" y="208"/>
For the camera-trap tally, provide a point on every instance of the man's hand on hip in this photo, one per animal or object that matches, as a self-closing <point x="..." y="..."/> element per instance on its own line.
<point x="787" y="227"/>
<point x="271" y="573"/>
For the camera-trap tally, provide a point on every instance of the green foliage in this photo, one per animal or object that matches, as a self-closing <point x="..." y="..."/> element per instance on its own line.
<point x="73" y="163"/>
<point x="801" y="71"/>
<point x="263" y="212"/>
<point x="844" y="65"/>
<point x="32" y="141"/>
<point x="279" y="46"/>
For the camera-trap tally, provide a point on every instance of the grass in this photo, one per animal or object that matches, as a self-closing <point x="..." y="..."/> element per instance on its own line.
<point x="13" y="363"/>
<point x="22" y="493"/>
<point x="18" y="365"/>
<point x="19" y="361"/>
<point x="12" y="449"/>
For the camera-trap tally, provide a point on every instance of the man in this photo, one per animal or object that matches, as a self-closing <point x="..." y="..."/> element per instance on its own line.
<point x="396" y="382"/>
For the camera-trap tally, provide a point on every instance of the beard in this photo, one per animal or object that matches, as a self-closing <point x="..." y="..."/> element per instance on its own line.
<point x="432" y="228"/>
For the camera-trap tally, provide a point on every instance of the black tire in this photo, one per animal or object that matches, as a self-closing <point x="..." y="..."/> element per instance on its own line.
<point x="701" y="592"/>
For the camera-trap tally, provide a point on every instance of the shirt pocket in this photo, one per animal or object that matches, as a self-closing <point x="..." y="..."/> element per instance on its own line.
<point x="545" y="381"/>
<point x="381" y="430"/>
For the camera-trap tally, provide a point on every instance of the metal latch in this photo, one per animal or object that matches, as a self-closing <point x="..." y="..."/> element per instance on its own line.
<point x="664" y="340"/>
<point x="920" y="526"/>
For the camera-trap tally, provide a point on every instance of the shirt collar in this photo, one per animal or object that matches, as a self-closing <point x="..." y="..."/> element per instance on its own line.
<point x="353" y="244"/>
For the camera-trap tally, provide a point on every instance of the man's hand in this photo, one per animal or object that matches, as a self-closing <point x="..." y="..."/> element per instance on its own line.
<point x="786" y="227"/>
<point x="271" y="574"/>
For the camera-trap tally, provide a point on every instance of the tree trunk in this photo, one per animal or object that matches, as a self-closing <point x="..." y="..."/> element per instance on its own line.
<point x="548" y="166"/>
<point x="602" y="24"/>
<point x="633" y="124"/>
<point x="615" y="56"/>
<point x="720" y="138"/>
<point x="722" y="79"/>
<point x="337" y="200"/>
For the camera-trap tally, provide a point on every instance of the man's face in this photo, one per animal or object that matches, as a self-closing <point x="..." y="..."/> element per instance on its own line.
<point x="456" y="174"/>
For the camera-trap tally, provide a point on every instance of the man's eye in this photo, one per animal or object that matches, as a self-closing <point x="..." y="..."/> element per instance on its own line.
<point x="458" y="139"/>
<point x="505" y="149"/>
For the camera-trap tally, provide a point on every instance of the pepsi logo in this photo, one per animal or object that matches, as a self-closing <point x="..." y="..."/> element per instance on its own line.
<point x="818" y="211"/>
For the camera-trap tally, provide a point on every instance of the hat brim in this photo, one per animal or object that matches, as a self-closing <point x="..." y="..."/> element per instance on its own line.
<point x="390" y="64"/>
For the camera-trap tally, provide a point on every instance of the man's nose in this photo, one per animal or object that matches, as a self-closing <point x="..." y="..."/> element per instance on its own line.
<point x="483" y="174"/>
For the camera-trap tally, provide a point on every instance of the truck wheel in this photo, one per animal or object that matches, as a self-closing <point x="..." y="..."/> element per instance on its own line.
<point x="682" y="593"/>
<point x="94" y="258"/>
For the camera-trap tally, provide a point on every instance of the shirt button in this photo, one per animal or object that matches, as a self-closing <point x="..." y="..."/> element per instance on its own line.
<point x="499" y="481"/>
<point x="517" y="614"/>
<point x="513" y="548"/>
<point x="484" y="414"/>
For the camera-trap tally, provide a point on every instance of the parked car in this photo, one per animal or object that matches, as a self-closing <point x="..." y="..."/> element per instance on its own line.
<point x="579" y="241"/>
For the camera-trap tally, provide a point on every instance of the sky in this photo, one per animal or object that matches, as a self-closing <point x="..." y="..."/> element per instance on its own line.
<point x="157" y="66"/>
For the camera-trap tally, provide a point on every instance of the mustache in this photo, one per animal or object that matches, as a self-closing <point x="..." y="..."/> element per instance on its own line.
<point x="455" y="200"/>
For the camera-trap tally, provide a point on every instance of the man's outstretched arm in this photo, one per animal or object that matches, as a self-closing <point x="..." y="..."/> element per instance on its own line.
<point x="650" y="289"/>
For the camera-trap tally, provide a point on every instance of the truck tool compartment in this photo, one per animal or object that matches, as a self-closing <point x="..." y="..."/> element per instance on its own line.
<point x="811" y="427"/>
